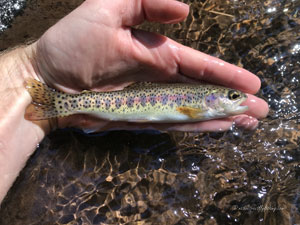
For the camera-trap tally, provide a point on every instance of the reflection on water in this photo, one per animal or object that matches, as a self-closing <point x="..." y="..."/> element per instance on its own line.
<point x="9" y="9"/>
<point x="236" y="177"/>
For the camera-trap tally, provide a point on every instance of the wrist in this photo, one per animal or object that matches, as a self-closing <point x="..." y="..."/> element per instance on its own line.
<point x="18" y="137"/>
<point x="16" y="66"/>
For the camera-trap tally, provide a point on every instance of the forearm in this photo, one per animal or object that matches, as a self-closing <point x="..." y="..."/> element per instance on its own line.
<point x="18" y="137"/>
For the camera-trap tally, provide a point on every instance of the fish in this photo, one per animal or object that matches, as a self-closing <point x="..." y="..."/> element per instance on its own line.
<point x="139" y="102"/>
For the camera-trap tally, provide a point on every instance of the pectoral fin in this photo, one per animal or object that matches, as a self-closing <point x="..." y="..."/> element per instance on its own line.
<point x="194" y="113"/>
<point x="85" y="92"/>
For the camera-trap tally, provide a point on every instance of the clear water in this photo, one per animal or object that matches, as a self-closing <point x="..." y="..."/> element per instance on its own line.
<point x="147" y="177"/>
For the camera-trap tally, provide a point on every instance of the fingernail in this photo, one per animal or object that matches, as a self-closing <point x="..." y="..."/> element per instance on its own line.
<point x="182" y="4"/>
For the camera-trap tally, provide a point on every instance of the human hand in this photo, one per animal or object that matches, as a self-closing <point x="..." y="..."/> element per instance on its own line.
<point x="94" y="47"/>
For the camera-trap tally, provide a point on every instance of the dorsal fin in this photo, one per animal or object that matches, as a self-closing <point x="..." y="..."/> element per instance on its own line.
<point x="140" y="84"/>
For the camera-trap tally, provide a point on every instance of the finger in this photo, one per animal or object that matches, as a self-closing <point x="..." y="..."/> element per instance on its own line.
<point x="208" y="68"/>
<point x="173" y="58"/>
<point x="218" y="125"/>
<point x="258" y="108"/>
<point x="246" y="122"/>
<point x="91" y="124"/>
<point x="163" y="11"/>
<point x="206" y="126"/>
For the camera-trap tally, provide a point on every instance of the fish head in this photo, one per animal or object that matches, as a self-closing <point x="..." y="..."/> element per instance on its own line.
<point x="226" y="102"/>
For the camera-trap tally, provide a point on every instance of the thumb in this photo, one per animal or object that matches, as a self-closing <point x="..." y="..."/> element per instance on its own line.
<point x="163" y="11"/>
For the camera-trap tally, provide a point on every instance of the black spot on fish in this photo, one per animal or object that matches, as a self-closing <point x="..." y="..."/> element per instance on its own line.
<point x="143" y="100"/>
<point x="130" y="101"/>
<point x="164" y="99"/>
<point x="152" y="100"/>
<point x="189" y="98"/>
<point x="66" y="105"/>
<point x="178" y="100"/>
<point x="107" y="104"/>
<point x="118" y="103"/>
<point x="98" y="102"/>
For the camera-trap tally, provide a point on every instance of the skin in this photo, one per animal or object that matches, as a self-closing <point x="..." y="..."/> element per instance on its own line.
<point x="94" y="47"/>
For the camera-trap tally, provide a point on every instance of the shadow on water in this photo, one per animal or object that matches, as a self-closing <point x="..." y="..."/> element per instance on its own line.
<point x="147" y="177"/>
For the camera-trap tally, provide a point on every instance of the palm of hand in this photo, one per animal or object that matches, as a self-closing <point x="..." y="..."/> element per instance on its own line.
<point x="92" y="47"/>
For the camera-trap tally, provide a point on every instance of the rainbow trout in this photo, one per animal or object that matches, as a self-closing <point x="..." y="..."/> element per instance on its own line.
<point x="139" y="102"/>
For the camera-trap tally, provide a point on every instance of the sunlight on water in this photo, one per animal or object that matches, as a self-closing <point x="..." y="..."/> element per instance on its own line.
<point x="8" y="10"/>
<point x="235" y="177"/>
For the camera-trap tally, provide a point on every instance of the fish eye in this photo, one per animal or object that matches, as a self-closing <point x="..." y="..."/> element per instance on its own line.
<point x="233" y="95"/>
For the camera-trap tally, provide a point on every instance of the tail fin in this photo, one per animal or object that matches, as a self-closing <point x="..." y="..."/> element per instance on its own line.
<point x="43" y="101"/>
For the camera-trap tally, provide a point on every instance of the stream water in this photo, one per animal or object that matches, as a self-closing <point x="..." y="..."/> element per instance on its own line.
<point x="148" y="177"/>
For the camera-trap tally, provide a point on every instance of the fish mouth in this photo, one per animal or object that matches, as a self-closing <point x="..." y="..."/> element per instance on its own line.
<point x="238" y="109"/>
